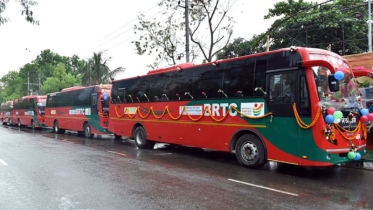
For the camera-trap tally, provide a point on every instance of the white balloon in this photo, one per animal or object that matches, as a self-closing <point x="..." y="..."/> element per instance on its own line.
<point x="337" y="120"/>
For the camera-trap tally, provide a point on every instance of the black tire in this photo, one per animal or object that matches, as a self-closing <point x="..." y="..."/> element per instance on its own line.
<point x="87" y="131"/>
<point x="19" y="123"/>
<point x="117" y="137"/>
<point x="10" y="121"/>
<point x="250" y="151"/>
<point x="57" y="129"/>
<point x="140" y="139"/>
<point x="32" y="124"/>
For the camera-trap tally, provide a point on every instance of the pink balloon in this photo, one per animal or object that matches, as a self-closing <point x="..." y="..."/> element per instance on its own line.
<point x="330" y="110"/>
<point x="364" y="118"/>
<point x="342" y="69"/>
<point x="370" y="116"/>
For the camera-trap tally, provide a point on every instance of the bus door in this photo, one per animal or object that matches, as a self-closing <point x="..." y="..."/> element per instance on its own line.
<point x="283" y="129"/>
<point x="303" y="105"/>
<point x="94" y="109"/>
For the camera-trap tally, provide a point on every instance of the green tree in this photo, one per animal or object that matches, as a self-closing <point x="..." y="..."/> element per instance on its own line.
<point x="29" y="75"/>
<point x="240" y="47"/>
<point x="10" y="86"/>
<point x="210" y="29"/>
<point x="59" y="80"/>
<point x="26" y="11"/>
<point x="339" y="24"/>
<point x="96" y="71"/>
<point x="48" y="60"/>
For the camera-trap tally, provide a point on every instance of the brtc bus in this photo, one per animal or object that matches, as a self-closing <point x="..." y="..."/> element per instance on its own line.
<point x="293" y="105"/>
<point x="29" y="111"/>
<point x="81" y="109"/>
<point x="6" y="110"/>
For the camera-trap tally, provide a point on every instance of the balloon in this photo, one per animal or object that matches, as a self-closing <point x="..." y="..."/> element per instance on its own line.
<point x="329" y="118"/>
<point x="336" y="121"/>
<point x="358" y="156"/>
<point x="370" y="116"/>
<point x="351" y="155"/>
<point x="338" y="114"/>
<point x="342" y="69"/>
<point x="105" y="97"/>
<point x="364" y="111"/>
<point x="364" y="119"/>
<point x="330" y="110"/>
<point x="339" y="75"/>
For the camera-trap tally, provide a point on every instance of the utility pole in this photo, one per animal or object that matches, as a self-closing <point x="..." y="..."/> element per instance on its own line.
<point x="39" y="83"/>
<point x="186" y="7"/>
<point x="28" y="83"/>
<point x="187" y="30"/>
<point x="369" y="28"/>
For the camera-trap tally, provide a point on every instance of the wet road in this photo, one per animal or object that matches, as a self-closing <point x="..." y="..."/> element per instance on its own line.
<point x="42" y="170"/>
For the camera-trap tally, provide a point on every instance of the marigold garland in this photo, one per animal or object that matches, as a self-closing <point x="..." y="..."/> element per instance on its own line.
<point x="151" y="111"/>
<point x="299" y="120"/>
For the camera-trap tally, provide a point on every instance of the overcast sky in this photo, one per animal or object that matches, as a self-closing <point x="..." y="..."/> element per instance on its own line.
<point x="81" y="27"/>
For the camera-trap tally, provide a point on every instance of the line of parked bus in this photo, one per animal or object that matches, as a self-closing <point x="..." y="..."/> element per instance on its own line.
<point x="297" y="106"/>
<point x="81" y="109"/>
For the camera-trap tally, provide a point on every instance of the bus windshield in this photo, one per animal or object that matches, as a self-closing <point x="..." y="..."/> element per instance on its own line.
<point x="347" y="96"/>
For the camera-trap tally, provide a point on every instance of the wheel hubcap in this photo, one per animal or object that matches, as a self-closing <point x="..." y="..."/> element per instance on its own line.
<point x="139" y="138"/>
<point x="249" y="151"/>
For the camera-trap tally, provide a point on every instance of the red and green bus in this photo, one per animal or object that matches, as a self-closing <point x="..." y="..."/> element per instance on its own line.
<point x="29" y="111"/>
<point x="81" y="109"/>
<point x="6" y="111"/>
<point x="294" y="105"/>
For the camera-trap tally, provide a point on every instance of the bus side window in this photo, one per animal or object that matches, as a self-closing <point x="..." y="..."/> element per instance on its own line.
<point x="121" y="95"/>
<point x="304" y="97"/>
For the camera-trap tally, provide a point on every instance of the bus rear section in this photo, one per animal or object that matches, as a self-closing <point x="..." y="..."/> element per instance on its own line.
<point x="29" y="111"/>
<point x="267" y="106"/>
<point x="81" y="109"/>
<point x="6" y="111"/>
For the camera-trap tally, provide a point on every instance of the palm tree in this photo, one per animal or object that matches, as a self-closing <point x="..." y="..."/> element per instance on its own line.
<point x="97" y="72"/>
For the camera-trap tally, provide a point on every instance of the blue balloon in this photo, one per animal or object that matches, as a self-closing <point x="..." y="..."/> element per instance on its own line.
<point x="339" y="75"/>
<point x="329" y="118"/>
<point x="358" y="156"/>
<point x="105" y="97"/>
<point x="364" y="111"/>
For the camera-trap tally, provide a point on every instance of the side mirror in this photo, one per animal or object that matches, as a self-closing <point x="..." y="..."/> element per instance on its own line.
<point x="333" y="83"/>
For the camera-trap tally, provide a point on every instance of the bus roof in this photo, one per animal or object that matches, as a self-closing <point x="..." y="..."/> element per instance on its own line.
<point x="104" y="86"/>
<point x="180" y="67"/>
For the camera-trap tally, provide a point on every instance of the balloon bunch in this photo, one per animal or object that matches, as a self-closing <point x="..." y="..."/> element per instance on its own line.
<point x="353" y="155"/>
<point x="366" y="116"/>
<point x="333" y="116"/>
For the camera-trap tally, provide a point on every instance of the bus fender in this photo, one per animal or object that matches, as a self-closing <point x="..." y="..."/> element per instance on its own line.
<point x="137" y="124"/>
<point x="239" y="133"/>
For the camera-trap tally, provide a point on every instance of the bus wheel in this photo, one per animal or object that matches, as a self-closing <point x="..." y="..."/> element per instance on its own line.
<point x="19" y="123"/>
<point x="250" y="151"/>
<point x="117" y="137"/>
<point x="87" y="131"/>
<point x="57" y="129"/>
<point x="140" y="139"/>
<point x="10" y="122"/>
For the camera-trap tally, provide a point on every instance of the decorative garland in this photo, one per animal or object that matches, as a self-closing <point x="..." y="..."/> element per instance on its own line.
<point x="299" y="120"/>
<point x="103" y="114"/>
<point x="151" y="111"/>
